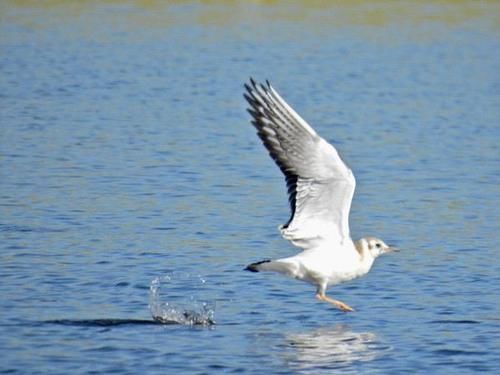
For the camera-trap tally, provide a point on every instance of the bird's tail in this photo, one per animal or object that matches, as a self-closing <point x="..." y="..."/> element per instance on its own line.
<point x="258" y="266"/>
<point x="279" y="265"/>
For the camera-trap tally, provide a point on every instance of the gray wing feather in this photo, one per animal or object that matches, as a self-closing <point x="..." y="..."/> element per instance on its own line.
<point x="320" y="185"/>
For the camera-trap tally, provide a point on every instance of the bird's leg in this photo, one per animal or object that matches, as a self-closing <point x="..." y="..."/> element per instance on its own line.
<point x="338" y="304"/>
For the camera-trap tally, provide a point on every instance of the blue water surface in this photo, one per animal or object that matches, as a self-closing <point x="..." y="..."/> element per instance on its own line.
<point x="126" y="154"/>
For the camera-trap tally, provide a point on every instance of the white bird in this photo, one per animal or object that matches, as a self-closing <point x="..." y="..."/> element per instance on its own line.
<point x="320" y="189"/>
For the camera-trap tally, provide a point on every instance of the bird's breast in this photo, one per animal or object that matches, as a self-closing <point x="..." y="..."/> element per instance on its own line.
<point x="332" y="267"/>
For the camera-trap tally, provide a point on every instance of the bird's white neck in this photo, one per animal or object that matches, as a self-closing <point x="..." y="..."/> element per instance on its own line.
<point x="363" y="250"/>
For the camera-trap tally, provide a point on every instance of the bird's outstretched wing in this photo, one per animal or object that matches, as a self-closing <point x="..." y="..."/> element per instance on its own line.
<point x="320" y="185"/>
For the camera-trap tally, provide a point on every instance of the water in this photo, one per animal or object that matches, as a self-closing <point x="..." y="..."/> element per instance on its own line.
<point x="126" y="156"/>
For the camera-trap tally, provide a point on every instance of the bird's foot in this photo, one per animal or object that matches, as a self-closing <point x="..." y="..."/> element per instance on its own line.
<point x="338" y="304"/>
<point x="342" y="306"/>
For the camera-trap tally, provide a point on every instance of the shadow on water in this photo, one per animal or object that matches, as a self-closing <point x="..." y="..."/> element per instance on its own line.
<point x="122" y="322"/>
<point x="102" y="322"/>
<point x="332" y="348"/>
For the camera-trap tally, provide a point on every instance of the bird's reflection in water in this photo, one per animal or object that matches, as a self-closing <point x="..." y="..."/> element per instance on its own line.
<point x="330" y="348"/>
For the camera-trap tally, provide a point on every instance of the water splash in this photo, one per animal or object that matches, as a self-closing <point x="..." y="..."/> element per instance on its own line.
<point x="181" y="298"/>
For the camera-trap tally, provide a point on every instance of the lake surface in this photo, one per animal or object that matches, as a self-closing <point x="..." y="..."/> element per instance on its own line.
<point x="126" y="155"/>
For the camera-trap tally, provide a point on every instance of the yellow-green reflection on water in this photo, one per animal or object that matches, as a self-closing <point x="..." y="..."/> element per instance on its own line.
<point x="316" y="13"/>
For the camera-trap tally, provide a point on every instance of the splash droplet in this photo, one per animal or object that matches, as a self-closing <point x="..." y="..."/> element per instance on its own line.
<point x="181" y="298"/>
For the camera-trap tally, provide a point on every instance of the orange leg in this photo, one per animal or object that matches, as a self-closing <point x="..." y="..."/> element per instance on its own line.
<point x="338" y="304"/>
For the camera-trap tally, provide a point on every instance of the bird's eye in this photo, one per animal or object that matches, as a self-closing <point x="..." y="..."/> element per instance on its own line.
<point x="378" y="246"/>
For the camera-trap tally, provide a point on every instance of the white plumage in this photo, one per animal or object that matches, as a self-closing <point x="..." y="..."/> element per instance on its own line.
<point x="320" y="188"/>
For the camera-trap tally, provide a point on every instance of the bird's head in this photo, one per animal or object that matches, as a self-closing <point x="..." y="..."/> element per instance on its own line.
<point x="375" y="246"/>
